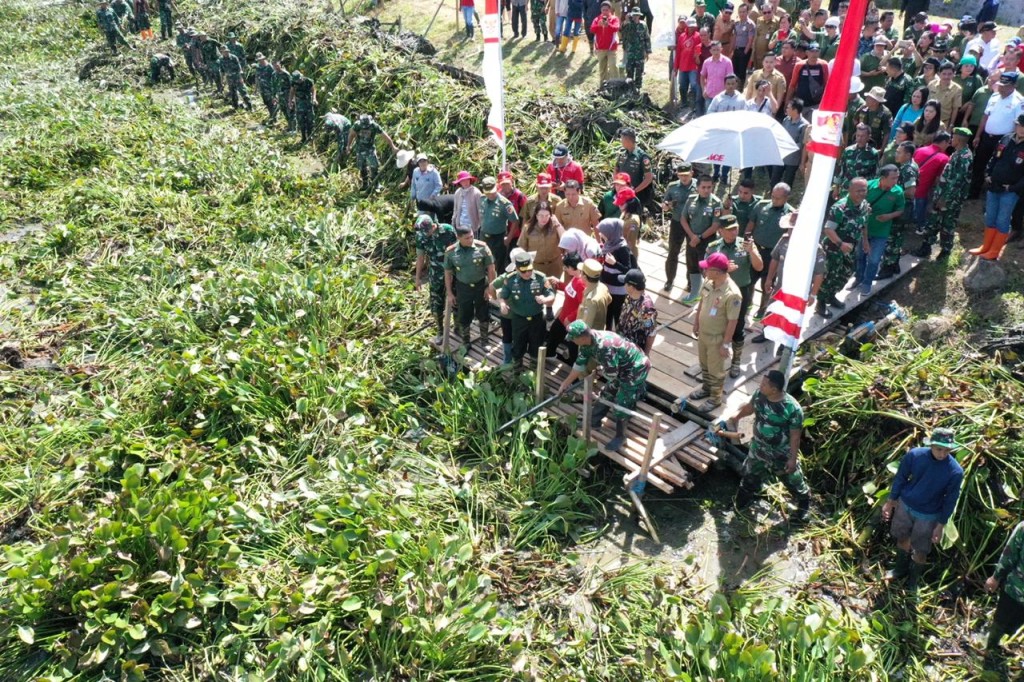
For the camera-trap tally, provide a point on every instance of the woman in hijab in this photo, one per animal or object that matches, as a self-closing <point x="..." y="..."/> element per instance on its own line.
<point x="576" y="241"/>
<point x="617" y="260"/>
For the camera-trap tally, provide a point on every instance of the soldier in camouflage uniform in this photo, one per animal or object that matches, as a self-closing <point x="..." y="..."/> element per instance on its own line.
<point x="157" y="64"/>
<point x="124" y="13"/>
<point x="235" y="48"/>
<point x="195" y="50"/>
<point x="111" y="27"/>
<point x="341" y="126"/>
<point x="876" y="117"/>
<point x="843" y="234"/>
<point x="625" y="367"/>
<point x="859" y="160"/>
<point x="950" y="194"/>
<point x="283" y="96"/>
<point x="853" y="105"/>
<point x="182" y="41"/>
<point x="211" y="50"/>
<point x="539" y="16"/>
<point x="265" y="85"/>
<point x="166" y="9"/>
<point x="305" y="101"/>
<point x="432" y="240"/>
<point x="775" y="447"/>
<point x="1008" y="580"/>
<point x="636" y="46"/>
<point x="232" y="69"/>
<point x="909" y="175"/>
<point x="364" y="136"/>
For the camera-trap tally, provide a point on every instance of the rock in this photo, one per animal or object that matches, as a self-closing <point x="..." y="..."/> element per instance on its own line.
<point x="931" y="329"/>
<point x="984" y="276"/>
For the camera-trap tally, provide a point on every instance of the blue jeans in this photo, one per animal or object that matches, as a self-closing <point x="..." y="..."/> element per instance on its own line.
<point x="867" y="263"/>
<point x="690" y="80"/>
<point x="575" y="26"/>
<point x="921" y="213"/>
<point x="561" y="26"/>
<point x="999" y="209"/>
<point x="467" y="15"/>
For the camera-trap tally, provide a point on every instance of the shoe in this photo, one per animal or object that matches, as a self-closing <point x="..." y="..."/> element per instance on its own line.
<point x="735" y="371"/>
<point x="853" y="285"/>
<point x="575" y="42"/>
<point x="823" y="311"/>
<point x="598" y="415"/>
<point x="920" y="231"/>
<point x="914" y="575"/>
<point x="900" y="567"/>
<point x="998" y="242"/>
<point x="924" y="251"/>
<point x="710" y="405"/>
<point x="760" y="338"/>
<point x="691" y="299"/>
<point x="616" y="443"/>
<point x="834" y="303"/>
<point x="990" y="234"/>
<point x="699" y="394"/>
<point x="667" y="287"/>
<point x="865" y="290"/>
<point x="564" y="43"/>
<point x="888" y="272"/>
<point x="803" y="506"/>
<point x="943" y="254"/>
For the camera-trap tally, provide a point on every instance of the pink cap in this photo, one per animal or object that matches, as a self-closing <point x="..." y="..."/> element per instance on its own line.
<point x="718" y="261"/>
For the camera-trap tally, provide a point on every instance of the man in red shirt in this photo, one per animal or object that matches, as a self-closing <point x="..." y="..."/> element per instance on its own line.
<point x="786" y="63"/>
<point x="573" y="290"/>
<point x="562" y="169"/>
<point x="606" y="41"/>
<point x="687" y="62"/>
<point x="507" y="189"/>
<point x="930" y="160"/>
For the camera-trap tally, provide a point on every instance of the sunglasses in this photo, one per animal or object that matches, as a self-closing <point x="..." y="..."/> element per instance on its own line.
<point x="528" y="268"/>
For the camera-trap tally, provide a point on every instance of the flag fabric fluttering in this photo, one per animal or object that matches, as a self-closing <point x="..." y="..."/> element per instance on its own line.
<point x="786" y="315"/>
<point x="494" y="77"/>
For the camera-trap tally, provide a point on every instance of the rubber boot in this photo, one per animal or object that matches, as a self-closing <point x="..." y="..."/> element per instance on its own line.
<point x="914" y="575"/>
<point x="597" y="416"/>
<point x="564" y="43"/>
<point x="615" y="444"/>
<point x="900" y="567"/>
<point x="575" y="42"/>
<point x="737" y="358"/>
<point x="990" y="234"/>
<point x="464" y="334"/>
<point x="744" y="498"/>
<point x="695" y="283"/>
<point x="485" y="331"/>
<point x="803" y="505"/>
<point x="998" y="242"/>
<point x="439" y="325"/>
<point x="506" y="353"/>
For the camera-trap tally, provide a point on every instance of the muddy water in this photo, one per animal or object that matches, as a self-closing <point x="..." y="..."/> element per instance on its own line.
<point x="703" y="539"/>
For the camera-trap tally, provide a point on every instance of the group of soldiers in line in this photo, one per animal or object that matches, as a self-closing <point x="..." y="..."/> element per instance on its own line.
<point x="118" y="16"/>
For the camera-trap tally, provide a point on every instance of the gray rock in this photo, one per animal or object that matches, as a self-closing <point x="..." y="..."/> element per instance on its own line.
<point x="931" y="329"/>
<point x="984" y="276"/>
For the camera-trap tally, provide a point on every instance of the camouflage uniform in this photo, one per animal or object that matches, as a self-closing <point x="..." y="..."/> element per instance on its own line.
<point x="636" y="45"/>
<point x="183" y="40"/>
<point x="769" y="448"/>
<point x="366" y="130"/>
<point x="539" y="15"/>
<point x="157" y="63"/>
<point x="853" y="105"/>
<point x="235" y="48"/>
<point x="848" y="221"/>
<point x="210" y="49"/>
<point x="166" y="18"/>
<point x="195" y="51"/>
<point x="1010" y="574"/>
<point x="283" y="95"/>
<point x="111" y="28"/>
<point x="909" y="174"/>
<point x="625" y="366"/>
<point x="433" y="246"/>
<point x="303" y="105"/>
<point x="265" y="85"/>
<point x="124" y="13"/>
<point x="879" y="121"/>
<point x="952" y="189"/>
<point x="856" y="163"/>
<point x="232" y="68"/>
<point x="341" y="126"/>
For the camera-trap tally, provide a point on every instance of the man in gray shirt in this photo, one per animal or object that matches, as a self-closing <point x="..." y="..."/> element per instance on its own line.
<point x="743" y="36"/>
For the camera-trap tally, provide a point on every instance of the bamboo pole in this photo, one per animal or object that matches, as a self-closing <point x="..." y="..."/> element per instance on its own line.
<point x="588" y="406"/>
<point x="538" y="384"/>
<point x="636" y="486"/>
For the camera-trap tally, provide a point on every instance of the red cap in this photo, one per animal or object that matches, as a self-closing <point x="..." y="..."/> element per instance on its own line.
<point x="624" y="195"/>
<point x="623" y="179"/>
<point x="718" y="261"/>
<point x="505" y="176"/>
<point x="543" y="180"/>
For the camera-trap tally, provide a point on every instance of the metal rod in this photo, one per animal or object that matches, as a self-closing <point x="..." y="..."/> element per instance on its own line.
<point x="537" y="408"/>
<point x="620" y="408"/>
<point x="436" y="12"/>
<point x="588" y="406"/>
<point x="539" y="374"/>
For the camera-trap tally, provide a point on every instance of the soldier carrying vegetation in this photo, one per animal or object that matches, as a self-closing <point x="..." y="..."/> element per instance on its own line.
<point x="341" y="127"/>
<point x="109" y="24"/>
<point x="364" y="137"/>
<point x="232" y="68"/>
<point x="923" y="496"/>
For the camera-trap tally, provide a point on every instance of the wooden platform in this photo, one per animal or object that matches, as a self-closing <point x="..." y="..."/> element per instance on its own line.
<point x="681" y="450"/>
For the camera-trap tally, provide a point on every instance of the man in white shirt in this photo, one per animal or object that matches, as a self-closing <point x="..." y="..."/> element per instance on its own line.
<point x="989" y="44"/>
<point x="1003" y="109"/>
<point x="729" y="99"/>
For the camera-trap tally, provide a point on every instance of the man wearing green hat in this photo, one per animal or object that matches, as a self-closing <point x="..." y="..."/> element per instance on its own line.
<point x="432" y="242"/>
<point x="625" y="368"/>
<point x="235" y="48"/>
<point x="949" y="197"/>
<point x="468" y="267"/>
<point x="921" y="500"/>
<point x="523" y="298"/>
<point x="232" y="69"/>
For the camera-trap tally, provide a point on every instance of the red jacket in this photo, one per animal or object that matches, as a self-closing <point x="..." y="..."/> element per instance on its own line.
<point x="687" y="51"/>
<point x="573" y="298"/>
<point x="605" y="37"/>
<point x="570" y="171"/>
<point x="931" y="160"/>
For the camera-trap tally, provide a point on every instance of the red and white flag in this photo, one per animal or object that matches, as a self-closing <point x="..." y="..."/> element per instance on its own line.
<point x="786" y="315"/>
<point x="494" y="77"/>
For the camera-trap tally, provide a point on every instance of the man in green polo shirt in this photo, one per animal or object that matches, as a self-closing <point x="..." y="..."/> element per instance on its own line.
<point x="744" y="261"/>
<point x="674" y="200"/>
<point x="498" y="221"/>
<point x="763" y="227"/>
<point x="743" y="202"/>
<point x="698" y="215"/>
<point x="468" y="267"/>
<point x="885" y="197"/>
<point x="523" y="298"/>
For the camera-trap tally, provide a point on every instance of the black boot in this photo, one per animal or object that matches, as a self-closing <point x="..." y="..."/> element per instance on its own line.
<point x="823" y="310"/>
<point x="900" y="567"/>
<point x="744" y="498"/>
<point x="914" y="575"/>
<point x="615" y="444"/>
<point x="597" y="415"/>
<point x="924" y="251"/>
<point x="803" y="505"/>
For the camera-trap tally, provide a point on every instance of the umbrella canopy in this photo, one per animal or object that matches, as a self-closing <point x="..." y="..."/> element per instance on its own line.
<point x="739" y="139"/>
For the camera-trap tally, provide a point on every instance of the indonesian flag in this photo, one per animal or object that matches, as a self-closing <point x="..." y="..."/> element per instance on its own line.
<point x="494" y="78"/>
<point x="785" y="319"/>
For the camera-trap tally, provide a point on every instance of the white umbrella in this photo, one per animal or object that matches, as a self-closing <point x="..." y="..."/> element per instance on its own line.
<point x="739" y="139"/>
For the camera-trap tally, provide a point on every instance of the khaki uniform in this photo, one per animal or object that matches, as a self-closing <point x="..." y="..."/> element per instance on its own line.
<point x="530" y="207"/>
<point x="583" y="216"/>
<point x="594" y="308"/>
<point x="718" y="307"/>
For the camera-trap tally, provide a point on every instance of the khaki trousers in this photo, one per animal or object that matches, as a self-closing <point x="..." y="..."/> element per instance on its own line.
<point x="712" y="364"/>
<point x="606" y="67"/>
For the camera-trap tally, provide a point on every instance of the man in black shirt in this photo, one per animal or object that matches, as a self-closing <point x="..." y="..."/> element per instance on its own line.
<point x="1004" y="178"/>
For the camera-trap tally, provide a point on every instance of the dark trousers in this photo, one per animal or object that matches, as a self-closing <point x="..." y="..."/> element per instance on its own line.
<point x="470" y="303"/>
<point x="694" y="255"/>
<point x="1009" y="618"/>
<point x="766" y="258"/>
<point x="786" y="174"/>
<point x="635" y="71"/>
<point x="747" y="293"/>
<point x="982" y="155"/>
<point x="527" y="335"/>
<point x="614" y="309"/>
<point x="676" y="237"/>
<point x="556" y="335"/>
<point x="740" y="62"/>
<point x="166" y="23"/>
<point x="496" y="242"/>
<point x="519" y="20"/>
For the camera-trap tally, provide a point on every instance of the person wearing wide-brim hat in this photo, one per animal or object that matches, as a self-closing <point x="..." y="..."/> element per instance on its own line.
<point x="922" y="498"/>
<point x="523" y="298"/>
<point x="876" y="116"/>
<point x="626" y="369"/>
<point x="466" y="211"/>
